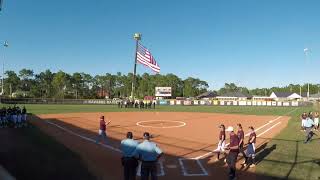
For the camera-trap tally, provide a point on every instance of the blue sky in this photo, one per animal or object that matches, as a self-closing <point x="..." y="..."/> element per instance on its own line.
<point x="253" y="43"/>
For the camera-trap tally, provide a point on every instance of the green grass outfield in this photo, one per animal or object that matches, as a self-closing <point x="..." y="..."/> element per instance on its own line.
<point x="291" y="159"/>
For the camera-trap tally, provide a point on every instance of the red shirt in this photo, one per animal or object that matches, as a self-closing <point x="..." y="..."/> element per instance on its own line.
<point x="222" y="135"/>
<point x="240" y="135"/>
<point x="254" y="136"/>
<point x="234" y="141"/>
<point x="102" y="125"/>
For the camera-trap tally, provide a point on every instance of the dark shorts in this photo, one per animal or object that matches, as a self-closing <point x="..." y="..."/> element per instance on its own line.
<point x="232" y="158"/>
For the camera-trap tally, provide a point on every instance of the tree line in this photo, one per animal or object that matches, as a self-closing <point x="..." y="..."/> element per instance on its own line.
<point x="79" y="85"/>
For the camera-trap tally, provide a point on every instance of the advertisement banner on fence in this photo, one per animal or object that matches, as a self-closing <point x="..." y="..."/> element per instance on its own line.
<point x="187" y="103"/>
<point x="172" y="102"/>
<point x="259" y="103"/>
<point x="269" y="103"/>
<point x="215" y="102"/>
<point x="242" y="103"/>
<point x="163" y="102"/>
<point x="195" y="102"/>
<point x="254" y="103"/>
<point x="203" y="102"/>
<point x="249" y="103"/>
<point x="286" y="104"/>
<point x="264" y="103"/>
<point x="274" y="103"/>
<point x="279" y="103"/>
<point x="178" y="102"/>
<point x="222" y="103"/>
<point x="235" y="103"/>
<point x="294" y="103"/>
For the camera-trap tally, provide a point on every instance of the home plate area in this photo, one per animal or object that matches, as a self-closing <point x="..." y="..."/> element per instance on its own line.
<point x="188" y="167"/>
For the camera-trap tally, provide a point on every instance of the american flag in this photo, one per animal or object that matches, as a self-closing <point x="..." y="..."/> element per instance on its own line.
<point x="145" y="57"/>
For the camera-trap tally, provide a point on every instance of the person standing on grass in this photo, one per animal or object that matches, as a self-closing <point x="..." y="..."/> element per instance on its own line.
<point x="149" y="153"/>
<point x="308" y="126"/>
<point x="240" y="134"/>
<point x="304" y="117"/>
<point x="233" y="148"/>
<point x="129" y="162"/>
<point x="222" y="141"/>
<point x="251" y="148"/>
<point x="102" y="130"/>
<point x="316" y="121"/>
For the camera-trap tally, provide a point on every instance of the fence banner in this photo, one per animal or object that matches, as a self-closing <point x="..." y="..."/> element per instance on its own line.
<point x="187" y="103"/>
<point x="195" y="102"/>
<point x="263" y="103"/>
<point x="259" y="103"/>
<point x="222" y="103"/>
<point x="269" y="103"/>
<point x="294" y="103"/>
<point x="286" y="104"/>
<point x="178" y="102"/>
<point x="215" y="102"/>
<point x="279" y="103"/>
<point x="254" y="103"/>
<point x="249" y="103"/>
<point x="273" y="103"/>
<point x="235" y="103"/>
<point x="242" y="103"/>
<point x="172" y="102"/>
<point x="203" y="102"/>
<point x="228" y="103"/>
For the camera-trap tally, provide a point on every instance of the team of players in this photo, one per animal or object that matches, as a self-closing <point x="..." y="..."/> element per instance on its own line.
<point x="235" y="147"/>
<point x="13" y="117"/>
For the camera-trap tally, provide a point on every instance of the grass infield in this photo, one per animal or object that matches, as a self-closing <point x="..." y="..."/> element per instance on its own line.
<point x="289" y="159"/>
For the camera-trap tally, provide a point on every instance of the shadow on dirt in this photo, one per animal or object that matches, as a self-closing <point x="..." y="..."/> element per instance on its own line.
<point x="103" y="162"/>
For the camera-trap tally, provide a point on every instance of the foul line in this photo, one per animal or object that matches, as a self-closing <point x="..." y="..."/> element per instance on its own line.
<point x="206" y="154"/>
<point x="269" y="129"/>
<point x="85" y="138"/>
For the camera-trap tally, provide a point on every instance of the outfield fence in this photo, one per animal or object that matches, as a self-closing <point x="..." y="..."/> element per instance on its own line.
<point x="169" y="102"/>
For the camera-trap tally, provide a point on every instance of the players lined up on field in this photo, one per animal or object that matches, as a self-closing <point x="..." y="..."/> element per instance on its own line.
<point x="149" y="153"/>
<point x="137" y="104"/>
<point x="309" y="122"/>
<point x="15" y="117"/>
<point x="235" y="147"/>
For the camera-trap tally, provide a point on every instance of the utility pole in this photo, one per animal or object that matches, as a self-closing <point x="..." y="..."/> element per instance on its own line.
<point x="5" y="45"/>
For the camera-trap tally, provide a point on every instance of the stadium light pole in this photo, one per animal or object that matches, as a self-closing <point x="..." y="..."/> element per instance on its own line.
<point x="5" y="45"/>
<point x="306" y="50"/>
<point x="137" y="37"/>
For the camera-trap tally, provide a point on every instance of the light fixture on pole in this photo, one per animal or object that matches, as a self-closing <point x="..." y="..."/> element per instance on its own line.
<point x="137" y="37"/>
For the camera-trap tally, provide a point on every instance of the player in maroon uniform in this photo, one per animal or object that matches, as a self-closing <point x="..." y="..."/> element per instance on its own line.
<point x="102" y="130"/>
<point x="251" y="148"/>
<point x="222" y="141"/>
<point x="240" y="134"/>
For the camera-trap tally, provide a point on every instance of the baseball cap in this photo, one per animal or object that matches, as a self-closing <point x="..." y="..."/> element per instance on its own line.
<point x="229" y="129"/>
<point x="146" y="135"/>
<point x="101" y="117"/>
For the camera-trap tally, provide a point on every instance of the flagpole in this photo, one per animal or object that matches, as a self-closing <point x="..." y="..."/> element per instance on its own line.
<point x="137" y="37"/>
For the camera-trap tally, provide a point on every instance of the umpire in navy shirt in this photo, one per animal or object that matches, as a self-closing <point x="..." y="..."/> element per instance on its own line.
<point x="129" y="162"/>
<point x="149" y="153"/>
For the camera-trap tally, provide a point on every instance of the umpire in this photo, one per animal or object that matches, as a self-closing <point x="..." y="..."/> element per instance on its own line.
<point x="149" y="153"/>
<point x="129" y="162"/>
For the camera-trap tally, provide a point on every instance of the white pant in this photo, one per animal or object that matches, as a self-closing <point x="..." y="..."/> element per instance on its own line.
<point x="316" y="121"/>
<point x="221" y="146"/>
